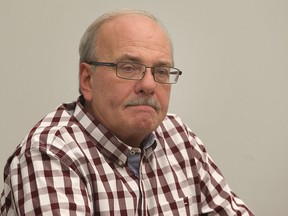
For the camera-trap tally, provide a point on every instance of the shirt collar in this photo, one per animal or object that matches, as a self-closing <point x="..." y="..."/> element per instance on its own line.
<point x="148" y="145"/>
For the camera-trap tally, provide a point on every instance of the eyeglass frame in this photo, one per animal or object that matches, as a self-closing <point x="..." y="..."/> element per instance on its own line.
<point x="111" y="64"/>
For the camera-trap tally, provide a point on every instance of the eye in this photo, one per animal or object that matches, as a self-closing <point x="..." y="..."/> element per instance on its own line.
<point x="127" y="67"/>
<point x="162" y="71"/>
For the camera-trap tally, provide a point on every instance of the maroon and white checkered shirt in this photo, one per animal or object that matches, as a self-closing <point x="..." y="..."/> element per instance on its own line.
<point x="70" y="164"/>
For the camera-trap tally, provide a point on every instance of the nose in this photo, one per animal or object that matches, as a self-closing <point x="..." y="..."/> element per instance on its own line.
<point x="147" y="84"/>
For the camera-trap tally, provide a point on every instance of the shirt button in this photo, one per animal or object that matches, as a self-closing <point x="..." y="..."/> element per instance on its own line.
<point x="132" y="152"/>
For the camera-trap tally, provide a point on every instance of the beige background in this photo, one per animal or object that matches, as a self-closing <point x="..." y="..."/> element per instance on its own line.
<point x="233" y="93"/>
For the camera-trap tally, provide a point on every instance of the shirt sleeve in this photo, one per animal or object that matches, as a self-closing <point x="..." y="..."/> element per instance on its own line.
<point x="44" y="185"/>
<point x="216" y="195"/>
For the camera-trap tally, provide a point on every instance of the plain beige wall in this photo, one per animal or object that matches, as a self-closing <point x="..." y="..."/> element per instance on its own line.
<point x="233" y="93"/>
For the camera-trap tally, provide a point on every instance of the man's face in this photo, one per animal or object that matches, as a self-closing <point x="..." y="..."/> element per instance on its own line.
<point x="128" y="38"/>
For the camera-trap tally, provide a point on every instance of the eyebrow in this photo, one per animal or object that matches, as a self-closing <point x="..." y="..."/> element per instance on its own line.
<point x="128" y="57"/>
<point x="131" y="58"/>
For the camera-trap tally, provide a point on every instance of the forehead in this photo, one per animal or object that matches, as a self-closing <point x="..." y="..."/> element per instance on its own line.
<point x="133" y="31"/>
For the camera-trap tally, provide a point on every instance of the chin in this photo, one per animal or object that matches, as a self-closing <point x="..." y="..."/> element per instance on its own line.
<point x="146" y="126"/>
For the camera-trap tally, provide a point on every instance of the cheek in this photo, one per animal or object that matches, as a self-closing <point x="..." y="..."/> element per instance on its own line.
<point x="111" y="93"/>
<point x="164" y="97"/>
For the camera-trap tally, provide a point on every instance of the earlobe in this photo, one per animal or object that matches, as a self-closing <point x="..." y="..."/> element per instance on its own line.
<point x="85" y="81"/>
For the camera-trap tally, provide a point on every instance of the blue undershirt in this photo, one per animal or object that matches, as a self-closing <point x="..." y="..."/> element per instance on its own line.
<point x="135" y="154"/>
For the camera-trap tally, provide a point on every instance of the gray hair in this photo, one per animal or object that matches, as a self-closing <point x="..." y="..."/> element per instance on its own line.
<point x="87" y="49"/>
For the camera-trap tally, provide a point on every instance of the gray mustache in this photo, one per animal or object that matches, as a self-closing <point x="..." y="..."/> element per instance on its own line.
<point x="144" y="101"/>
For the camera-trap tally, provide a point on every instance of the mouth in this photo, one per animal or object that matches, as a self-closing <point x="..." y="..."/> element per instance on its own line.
<point x="143" y="108"/>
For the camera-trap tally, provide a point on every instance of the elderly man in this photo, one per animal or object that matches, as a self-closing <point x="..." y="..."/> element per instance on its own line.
<point x="116" y="151"/>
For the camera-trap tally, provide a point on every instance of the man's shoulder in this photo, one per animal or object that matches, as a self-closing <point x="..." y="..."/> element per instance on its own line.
<point x="60" y="117"/>
<point x="49" y="128"/>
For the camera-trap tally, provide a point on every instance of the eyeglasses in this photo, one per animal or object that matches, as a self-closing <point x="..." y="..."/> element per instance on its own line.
<point x="136" y="71"/>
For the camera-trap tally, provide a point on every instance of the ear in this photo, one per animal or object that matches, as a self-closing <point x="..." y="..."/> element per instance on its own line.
<point x="85" y="81"/>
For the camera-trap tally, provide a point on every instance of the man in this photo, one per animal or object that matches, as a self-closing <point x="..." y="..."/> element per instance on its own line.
<point x="116" y="151"/>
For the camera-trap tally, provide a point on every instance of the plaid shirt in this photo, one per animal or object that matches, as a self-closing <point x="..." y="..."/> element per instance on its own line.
<point x="70" y="164"/>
